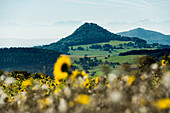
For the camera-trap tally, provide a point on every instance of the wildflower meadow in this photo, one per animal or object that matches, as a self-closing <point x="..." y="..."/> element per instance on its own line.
<point x="142" y="90"/>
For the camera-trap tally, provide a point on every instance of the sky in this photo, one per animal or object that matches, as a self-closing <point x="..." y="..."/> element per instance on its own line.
<point x="25" y="23"/>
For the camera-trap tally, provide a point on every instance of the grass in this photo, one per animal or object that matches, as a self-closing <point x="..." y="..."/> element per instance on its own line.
<point x="132" y="59"/>
<point x="92" y="52"/>
<point x="113" y="43"/>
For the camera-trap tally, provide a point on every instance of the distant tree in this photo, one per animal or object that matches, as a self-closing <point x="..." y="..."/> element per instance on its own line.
<point x="107" y="46"/>
<point x="80" y="48"/>
<point x="95" y="47"/>
<point x="72" y="48"/>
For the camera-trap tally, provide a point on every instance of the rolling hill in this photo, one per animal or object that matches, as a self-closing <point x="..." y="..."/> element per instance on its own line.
<point x="148" y="35"/>
<point x="88" y="33"/>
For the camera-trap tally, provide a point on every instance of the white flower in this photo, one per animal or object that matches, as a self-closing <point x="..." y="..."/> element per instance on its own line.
<point x="112" y="76"/>
<point x="2" y="97"/>
<point x="154" y="66"/>
<point x="44" y="86"/>
<point x="36" y="87"/>
<point x="2" y="77"/>
<point x="1" y="91"/>
<point x="115" y="96"/>
<point x="9" y="80"/>
<point x="166" y="79"/>
<point x="142" y="89"/>
<point x="62" y="106"/>
<point x="67" y="92"/>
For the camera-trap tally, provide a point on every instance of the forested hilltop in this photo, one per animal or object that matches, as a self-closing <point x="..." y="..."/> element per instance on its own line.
<point x="28" y="59"/>
<point x="88" y="33"/>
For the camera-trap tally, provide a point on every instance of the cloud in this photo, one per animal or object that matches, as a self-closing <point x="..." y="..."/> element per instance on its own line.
<point x="118" y="26"/>
<point x="136" y="3"/>
<point x="88" y="2"/>
<point x="9" y="24"/>
<point x="70" y="22"/>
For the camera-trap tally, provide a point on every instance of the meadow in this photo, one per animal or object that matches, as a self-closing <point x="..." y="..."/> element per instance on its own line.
<point x="117" y="47"/>
<point x="128" y="90"/>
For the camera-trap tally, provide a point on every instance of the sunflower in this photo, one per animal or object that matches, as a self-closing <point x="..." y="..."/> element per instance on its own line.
<point x="61" y="67"/>
<point x="163" y="62"/>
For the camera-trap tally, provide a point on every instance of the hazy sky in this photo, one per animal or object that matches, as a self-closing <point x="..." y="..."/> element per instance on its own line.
<point x="35" y="22"/>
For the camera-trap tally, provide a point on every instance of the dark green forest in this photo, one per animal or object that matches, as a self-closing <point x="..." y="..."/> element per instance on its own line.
<point x="155" y="53"/>
<point x="29" y="59"/>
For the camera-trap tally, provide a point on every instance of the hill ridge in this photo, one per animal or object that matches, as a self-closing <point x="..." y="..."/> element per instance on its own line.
<point x="149" y="35"/>
<point x="88" y="33"/>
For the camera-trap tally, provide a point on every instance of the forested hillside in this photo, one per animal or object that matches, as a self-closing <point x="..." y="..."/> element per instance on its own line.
<point x="29" y="59"/>
<point x="155" y="53"/>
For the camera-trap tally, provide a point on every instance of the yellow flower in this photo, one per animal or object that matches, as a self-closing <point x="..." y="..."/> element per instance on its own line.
<point x="42" y="76"/>
<point x="71" y="104"/>
<point x="86" y="82"/>
<point x="57" y="91"/>
<point x="26" y="83"/>
<point x="21" y="90"/>
<point x="130" y="80"/>
<point x="83" y="73"/>
<point x="61" y="67"/>
<point x="82" y="99"/>
<point x="43" y="103"/>
<point x="41" y="81"/>
<point x="47" y="83"/>
<point x="162" y="103"/>
<point x="141" y="77"/>
<point x="97" y="80"/>
<point x="57" y="82"/>
<point x="18" y="78"/>
<point x="108" y="85"/>
<point x="48" y="77"/>
<point x="88" y="86"/>
<point x="74" y="75"/>
<point x="163" y="62"/>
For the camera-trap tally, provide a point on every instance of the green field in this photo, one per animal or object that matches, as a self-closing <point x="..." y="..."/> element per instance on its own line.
<point x="93" y="52"/>
<point x="131" y="59"/>
<point x="113" y="43"/>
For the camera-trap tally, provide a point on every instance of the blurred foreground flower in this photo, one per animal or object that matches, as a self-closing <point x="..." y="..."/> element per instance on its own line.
<point x="97" y="80"/>
<point x="63" y="105"/>
<point x="162" y="103"/>
<point x="82" y="99"/>
<point x="163" y="62"/>
<point x="166" y="79"/>
<point x="9" y="80"/>
<point x="43" y="103"/>
<point x="130" y="80"/>
<point x="61" y="67"/>
<point x="115" y="96"/>
<point x="26" y="83"/>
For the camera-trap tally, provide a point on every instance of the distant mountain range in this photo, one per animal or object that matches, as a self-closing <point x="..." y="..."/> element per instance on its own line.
<point x="88" y="33"/>
<point x="148" y="35"/>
